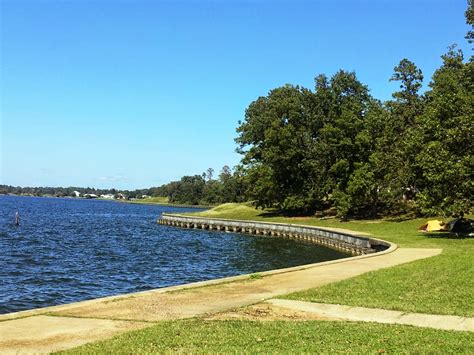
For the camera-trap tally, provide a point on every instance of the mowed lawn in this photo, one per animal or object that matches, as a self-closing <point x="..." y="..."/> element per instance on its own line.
<point x="161" y="200"/>
<point x="440" y="285"/>
<point x="199" y="336"/>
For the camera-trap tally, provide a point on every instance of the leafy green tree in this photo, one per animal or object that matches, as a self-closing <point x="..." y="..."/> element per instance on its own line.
<point x="189" y="190"/>
<point x="225" y="173"/>
<point x="232" y="185"/>
<point x="272" y="140"/>
<point x="400" y="142"/>
<point x="340" y="140"/>
<point x="211" y="194"/>
<point x="300" y="148"/>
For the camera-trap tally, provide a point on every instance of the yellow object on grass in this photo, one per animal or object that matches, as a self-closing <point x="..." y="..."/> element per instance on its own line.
<point x="434" y="225"/>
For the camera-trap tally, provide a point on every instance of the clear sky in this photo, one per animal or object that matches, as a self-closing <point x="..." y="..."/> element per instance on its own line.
<point x="133" y="94"/>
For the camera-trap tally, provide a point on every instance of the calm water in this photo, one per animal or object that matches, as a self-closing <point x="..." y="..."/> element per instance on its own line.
<point x="69" y="250"/>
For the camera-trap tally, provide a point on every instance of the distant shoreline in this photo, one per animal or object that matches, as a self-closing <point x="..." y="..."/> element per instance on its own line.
<point x="137" y="202"/>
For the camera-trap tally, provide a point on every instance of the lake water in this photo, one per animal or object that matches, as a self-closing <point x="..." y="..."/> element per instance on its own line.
<point x="68" y="250"/>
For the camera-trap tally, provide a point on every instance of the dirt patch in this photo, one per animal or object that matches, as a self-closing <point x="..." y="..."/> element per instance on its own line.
<point x="265" y="312"/>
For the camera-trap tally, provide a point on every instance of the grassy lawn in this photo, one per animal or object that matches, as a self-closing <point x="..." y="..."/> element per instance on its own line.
<point x="161" y="200"/>
<point x="440" y="285"/>
<point x="198" y="336"/>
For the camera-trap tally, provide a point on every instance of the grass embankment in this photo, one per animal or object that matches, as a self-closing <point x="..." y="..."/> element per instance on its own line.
<point x="198" y="336"/>
<point x="439" y="285"/>
<point x="162" y="200"/>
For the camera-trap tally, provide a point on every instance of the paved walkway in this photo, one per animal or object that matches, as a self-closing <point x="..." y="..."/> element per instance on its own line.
<point x="62" y="327"/>
<point x="363" y="314"/>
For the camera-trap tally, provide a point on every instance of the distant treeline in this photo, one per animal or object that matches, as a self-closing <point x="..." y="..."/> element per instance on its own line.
<point x="60" y="191"/>
<point x="204" y="189"/>
<point x="201" y="189"/>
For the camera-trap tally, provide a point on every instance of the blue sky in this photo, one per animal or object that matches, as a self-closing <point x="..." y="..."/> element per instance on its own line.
<point x="133" y="94"/>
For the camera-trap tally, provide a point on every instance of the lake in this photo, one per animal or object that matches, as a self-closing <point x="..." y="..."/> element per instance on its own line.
<point x="68" y="250"/>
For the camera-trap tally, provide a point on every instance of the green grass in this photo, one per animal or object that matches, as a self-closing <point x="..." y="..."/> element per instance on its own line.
<point x="198" y="336"/>
<point x="438" y="285"/>
<point x="161" y="200"/>
<point x="231" y="211"/>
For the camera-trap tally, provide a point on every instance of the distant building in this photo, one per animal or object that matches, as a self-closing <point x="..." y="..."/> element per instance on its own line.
<point x="108" y="196"/>
<point x="145" y="196"/>
<point x="120" y="196"/>
<point x="77" y="193"/>
<point x="90" y="196"/>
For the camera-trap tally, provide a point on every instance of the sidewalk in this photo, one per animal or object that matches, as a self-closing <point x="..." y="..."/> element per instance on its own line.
<point x="62" y="327"/>
<point x="364" y="314"/>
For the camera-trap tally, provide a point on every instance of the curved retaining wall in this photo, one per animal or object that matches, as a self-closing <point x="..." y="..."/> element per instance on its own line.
<point x="347" y="242"/>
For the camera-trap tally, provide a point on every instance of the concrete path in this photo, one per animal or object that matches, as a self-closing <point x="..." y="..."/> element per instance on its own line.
<point x="62" y="327"/>
<point x="363" y="314"/>
<point x="43" y="334"/>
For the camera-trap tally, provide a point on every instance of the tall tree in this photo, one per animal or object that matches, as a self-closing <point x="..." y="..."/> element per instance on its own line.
<point x="400" y="142"/>
<point x="189" y="190"/>
<point x="272" y="141"/>
<point x="209" y="174"/>
<point x="408" y="103"/>
<point x="300" y="148"/>
<point x="339" y="144"/>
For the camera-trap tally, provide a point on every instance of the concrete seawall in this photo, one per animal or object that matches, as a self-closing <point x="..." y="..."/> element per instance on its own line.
<point x="346" y="242"/>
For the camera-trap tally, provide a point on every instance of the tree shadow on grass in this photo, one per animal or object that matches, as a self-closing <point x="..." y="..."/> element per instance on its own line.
<point x="400" y="218"/>
<point x="447" y="235"/>
<point x="269" y="214"/>
<point x="277" y="213"/>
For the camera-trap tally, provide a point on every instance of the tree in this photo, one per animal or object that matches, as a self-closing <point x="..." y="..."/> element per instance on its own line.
<point x="225" y="173"/>
<point x="401" y="141"/>
<point x="300" y="148"/>
<point x="411" y="80"/>
<point x="339" y="139"/>
<point x="189" y="190"/>
<point x="209" y="174"/>
<point x="272" y="142"/>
